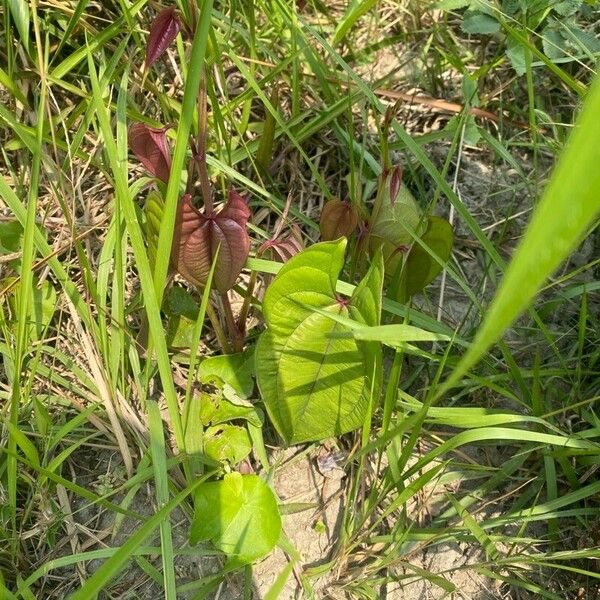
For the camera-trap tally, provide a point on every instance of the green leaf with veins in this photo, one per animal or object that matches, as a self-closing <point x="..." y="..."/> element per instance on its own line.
<point x="239" y="515"/>
<point x="224" y="405"/>
<point x="314" y="385"/>
<point x="227" y="443"/>
<point x="480" y="23"/>
<point x="394" y="226"/>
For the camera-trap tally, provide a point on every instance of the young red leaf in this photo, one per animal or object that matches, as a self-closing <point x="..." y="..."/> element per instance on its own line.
<point x="152" y="149"/>
<point x="198" y="236"/>
<point x="282" y="248"/>
<point x="395" y="183"/>
<point x="338" y="219"/>
<point x="163" y="31"/>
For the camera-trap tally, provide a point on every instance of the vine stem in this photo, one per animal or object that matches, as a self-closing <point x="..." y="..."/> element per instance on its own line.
<point x="247" y="300"/>
<point x="219" y="332"/>
<point x="238" y="340"/>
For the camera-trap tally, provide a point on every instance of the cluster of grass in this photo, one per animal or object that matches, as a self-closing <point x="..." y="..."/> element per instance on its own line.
<point x="75" y="280"/>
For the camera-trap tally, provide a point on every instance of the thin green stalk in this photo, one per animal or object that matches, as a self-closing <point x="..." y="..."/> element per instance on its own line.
<point x="25" y="291"/>
<point x="161" y="481"/>
<point x="152" y="303"/>
<point x="188" y="109"/>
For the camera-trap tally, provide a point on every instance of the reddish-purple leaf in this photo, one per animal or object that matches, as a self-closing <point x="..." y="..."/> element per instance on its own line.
<point x="338" y="219"/>
<point x="198" y="237"/>
<point x="282" y="248"/>
<point x="163" y="31"/>
<point x="395" y="183"/>
<point x="152" y="149"/>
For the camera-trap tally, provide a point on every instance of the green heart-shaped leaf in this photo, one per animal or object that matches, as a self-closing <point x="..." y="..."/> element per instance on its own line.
<point x="239" y="515"/>
<point x="314" y="384"/>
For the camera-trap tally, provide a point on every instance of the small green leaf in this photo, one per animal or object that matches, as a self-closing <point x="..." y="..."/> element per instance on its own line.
<point x="228" y="411"/>
<point x="470" y="90"/>
<point x="392" y="227"/>
<point x="470" y="135"/>
<point x="235" y="369"/>
<point x="182" y="310"/>
<point x="238" y="515"/>
<point x="515" y="52"/>
<point x="180" y="332"/>
<point x="479" y="23"/>
<point x="181" y="303"/>
<point x="227" y="443"/>
<point x="567" y="8"/>
<point x="223" y="404"/>
<point x="511" y="7"/>
<point x="10" y="236"/>
<point x="421" y="267"/>
<point x="553" y="43"/>
<point x="581" y="40"/>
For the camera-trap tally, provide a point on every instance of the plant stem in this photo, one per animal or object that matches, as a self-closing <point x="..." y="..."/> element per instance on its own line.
<point x="238" y="340"/>
<point x="219" y="332"/>
<point x="201" y="158"/>
<point x="246" y="306"/>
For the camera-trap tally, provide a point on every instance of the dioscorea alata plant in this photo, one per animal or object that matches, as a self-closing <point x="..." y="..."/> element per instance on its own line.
<point x="317" y="376"/>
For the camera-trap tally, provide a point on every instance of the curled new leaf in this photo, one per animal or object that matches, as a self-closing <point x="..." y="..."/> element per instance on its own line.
<point x="199" y="237"/>
<point x="395" y="223"/>
<point x="152" y="149"/>
<point x="395" y="183"/>
<point x="163" y="31"/>
<point x="338" y="219"/>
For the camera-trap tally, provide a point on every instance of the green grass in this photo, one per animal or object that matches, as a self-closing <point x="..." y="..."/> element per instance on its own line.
<point x="486" y="439"/>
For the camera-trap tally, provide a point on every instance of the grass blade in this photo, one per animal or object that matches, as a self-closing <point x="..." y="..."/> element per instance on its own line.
<point x="567" y="209"/>
<point x="161" y="480"/>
